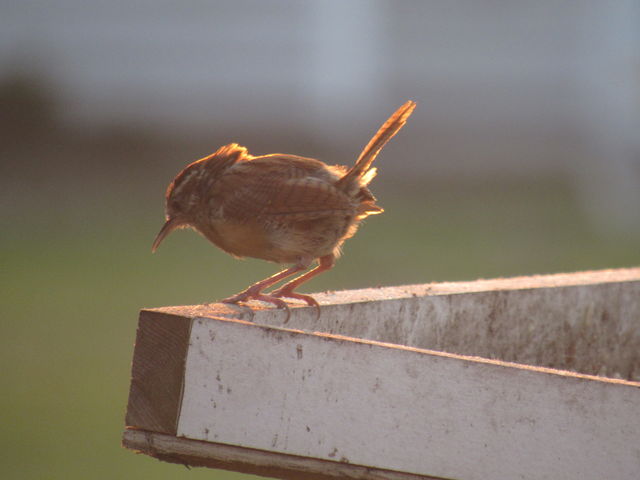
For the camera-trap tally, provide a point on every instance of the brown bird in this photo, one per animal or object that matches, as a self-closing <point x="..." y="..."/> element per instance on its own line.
<point x="281" y="208"/>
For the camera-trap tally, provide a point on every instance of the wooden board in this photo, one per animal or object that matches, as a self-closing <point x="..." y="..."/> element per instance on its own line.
<point x="294" y="401"/>
<point x="173" y="449"/>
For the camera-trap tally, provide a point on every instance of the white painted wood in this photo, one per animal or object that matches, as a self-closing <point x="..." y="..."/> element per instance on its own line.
<point x="405" y="409"/>
<point x="584" y="321"/>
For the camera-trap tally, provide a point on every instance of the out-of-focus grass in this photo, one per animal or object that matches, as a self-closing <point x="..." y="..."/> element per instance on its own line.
<point x="73" y="282"/>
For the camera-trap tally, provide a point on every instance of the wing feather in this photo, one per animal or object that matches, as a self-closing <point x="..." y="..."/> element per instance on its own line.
<point x="274" y="194"/>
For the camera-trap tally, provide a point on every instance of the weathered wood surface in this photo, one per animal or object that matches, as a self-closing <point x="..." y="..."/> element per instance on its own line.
<point x="586" y="321"/>
<point x="289" y="401"/>
<point x="271" y="464"/>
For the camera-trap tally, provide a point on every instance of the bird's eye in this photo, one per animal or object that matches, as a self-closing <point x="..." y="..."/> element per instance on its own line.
<point x="173" y="206"/>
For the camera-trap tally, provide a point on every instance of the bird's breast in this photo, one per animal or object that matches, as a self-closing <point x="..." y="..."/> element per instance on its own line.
<point x="247" y="239"/>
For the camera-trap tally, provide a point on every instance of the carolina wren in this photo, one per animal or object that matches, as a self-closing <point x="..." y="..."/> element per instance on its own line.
<point x="281" y="208"/>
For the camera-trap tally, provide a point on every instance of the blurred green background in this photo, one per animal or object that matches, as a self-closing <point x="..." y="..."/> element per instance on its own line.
<point x="82" y="198"/>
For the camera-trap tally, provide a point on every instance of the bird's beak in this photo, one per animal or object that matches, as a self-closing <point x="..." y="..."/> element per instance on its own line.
<point x="169" y="226"/>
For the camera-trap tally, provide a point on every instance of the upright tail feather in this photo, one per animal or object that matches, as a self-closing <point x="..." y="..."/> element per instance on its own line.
<point x="379" y="140"/>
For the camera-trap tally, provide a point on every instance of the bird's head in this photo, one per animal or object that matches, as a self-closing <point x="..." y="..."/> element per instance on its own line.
<point x="186" y="195"/>
<point x="181" y="201"/>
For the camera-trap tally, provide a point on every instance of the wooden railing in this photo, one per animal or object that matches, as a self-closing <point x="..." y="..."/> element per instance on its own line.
<point x="532" y="377"/>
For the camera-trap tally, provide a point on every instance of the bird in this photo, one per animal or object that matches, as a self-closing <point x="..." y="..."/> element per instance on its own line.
<point x="281" y="208"/>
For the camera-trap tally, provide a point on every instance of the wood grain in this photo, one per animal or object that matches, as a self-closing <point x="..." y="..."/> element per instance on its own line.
<point x="195" y="453"/>
<point x="157" y="373"/>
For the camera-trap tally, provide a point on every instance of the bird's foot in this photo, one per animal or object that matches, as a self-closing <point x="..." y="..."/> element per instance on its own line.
<point x="247" y="295"/>
<point x="254" y="294"/>
<point x="273" y="298"/>
<point x="308" y="299"/>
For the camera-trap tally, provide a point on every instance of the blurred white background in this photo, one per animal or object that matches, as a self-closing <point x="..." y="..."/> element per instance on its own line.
<point x="504" y="88"/>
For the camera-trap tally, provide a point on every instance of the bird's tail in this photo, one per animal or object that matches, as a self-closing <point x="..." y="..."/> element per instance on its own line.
<point x="379" y="140"/>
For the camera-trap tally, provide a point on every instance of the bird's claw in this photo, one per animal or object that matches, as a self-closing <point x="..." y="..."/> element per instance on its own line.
<point x="248" y="295"/>
<point x="308" y="299"/>
<point x="275" y="299"/>
<point x="243" y="297"/>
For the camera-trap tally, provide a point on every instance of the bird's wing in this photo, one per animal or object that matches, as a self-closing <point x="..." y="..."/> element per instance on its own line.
<point x="271" y="193"/>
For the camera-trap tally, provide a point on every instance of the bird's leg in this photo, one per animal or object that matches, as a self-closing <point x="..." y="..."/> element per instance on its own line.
<point x="254" y="292"/>
<point x="287" y="290"/>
